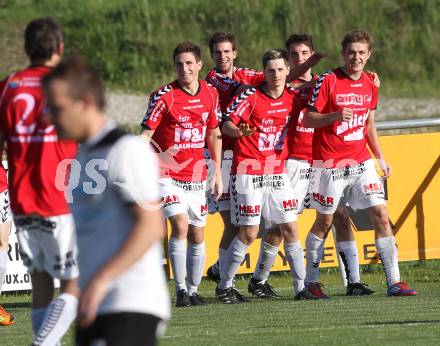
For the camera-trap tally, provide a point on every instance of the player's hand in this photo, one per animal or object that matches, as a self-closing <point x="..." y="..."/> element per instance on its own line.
<point x="376" y="79"/>
<point x="385" y="168"/>
<point x="217" y="186"/>
<point x="345" y="114"/>
<point x="303" y="85"/>
<point x="246" y="130"/>
<point x="316" y="57"/>
<point x="90" y="300"/>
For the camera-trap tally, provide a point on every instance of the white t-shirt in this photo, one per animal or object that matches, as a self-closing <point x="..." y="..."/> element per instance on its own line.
<point x="117" y="170"/>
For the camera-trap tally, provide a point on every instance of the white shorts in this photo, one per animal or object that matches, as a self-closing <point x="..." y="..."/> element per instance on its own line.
<point x="48" y="244"/>
<point x="254" y="196"/>
<point x="184" y="197"/>
<point x="359" y="185"/>
<point x="224" y="202"/>
<point x="5" y="208"/>
<point x="299" y="172"/>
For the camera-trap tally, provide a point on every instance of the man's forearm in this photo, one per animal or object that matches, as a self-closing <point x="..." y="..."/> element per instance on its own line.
<point x="214" y="140"/>
<point x="316" y="120"/>
<point x="230" y="129"/>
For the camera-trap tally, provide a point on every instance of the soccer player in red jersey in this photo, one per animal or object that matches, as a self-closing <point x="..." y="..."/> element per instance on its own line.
<point x="181" y="118"/>
<point x="298" y="165"/>
<point x="44" y="224"/>
<point x="227" y="79"/>
<point x="258" y="118"/>
<point x="342" y="110"/>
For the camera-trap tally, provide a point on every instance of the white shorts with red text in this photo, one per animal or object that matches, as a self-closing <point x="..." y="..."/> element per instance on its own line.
<point x="224" y="202"/>
<point x="184" y="197"/>
<point x="48" y="244"/>
<point x="359" y="185"/>
<point x="269" y="196"/>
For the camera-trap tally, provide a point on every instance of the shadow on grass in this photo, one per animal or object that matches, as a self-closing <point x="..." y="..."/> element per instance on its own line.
<point x="17" y="305"/>
<point x="401" y="322"/>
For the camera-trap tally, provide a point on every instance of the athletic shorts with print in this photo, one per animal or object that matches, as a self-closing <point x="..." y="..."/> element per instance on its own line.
<point x="5" y="208"/>
<point x="184" y="197"/>
<point x="224" y="202"/>
<point x="359" y="185"/>
<point x="299" y="172"/>
<point x="255" y="196"/>
<point x="48" y="244"/>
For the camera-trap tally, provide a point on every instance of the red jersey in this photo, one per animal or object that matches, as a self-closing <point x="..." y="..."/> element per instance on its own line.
<point x="3" y="179"/>
<point x="300" y="138"/>
<point x="263" y="151"/>
<point x="179" y="121"/>
<point x="33" y="148"/>
<point x="343" y="141"/>
<point x="227" y="87"/>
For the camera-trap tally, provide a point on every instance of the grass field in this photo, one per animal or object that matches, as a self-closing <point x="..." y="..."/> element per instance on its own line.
<point x="372" y="320"/>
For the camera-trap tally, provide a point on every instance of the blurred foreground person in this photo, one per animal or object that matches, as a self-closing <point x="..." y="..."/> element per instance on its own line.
<point x="115" y="203"/>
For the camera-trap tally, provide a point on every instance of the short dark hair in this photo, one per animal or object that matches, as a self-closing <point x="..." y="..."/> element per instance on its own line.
<point x="219" y="37"/>
<point x="357" y="36"/>
<point x="187" y="47"/>
<point x="42" y="38"/>
<point x="303" y="38"/>
<point x="81" y="78"/>
<point x="273" y="54"/>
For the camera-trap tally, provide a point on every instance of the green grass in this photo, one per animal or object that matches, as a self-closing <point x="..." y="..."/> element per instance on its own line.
<point x="371" y="320"/>
<point x="131" y="41"/>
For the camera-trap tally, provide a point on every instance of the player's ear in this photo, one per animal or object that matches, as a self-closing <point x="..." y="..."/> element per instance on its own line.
<point x="234" y="53"/>
<point x="60" y="49"/>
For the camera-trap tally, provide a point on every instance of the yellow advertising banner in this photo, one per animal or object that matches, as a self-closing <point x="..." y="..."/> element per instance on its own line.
<point x="413" y="204"/>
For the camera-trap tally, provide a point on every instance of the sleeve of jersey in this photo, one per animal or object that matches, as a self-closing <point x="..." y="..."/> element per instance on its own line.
<point x="133" y="170"/>
<point x="156" y="109"/>
<point x="320" y="95"/>
<point x="240" y="109"/>
<point x="216" y="114"/>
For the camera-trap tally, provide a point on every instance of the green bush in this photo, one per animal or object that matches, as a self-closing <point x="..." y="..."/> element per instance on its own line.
<point x="131" y="41"/>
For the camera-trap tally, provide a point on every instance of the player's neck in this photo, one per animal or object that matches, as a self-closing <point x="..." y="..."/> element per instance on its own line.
<point x="191" y="88"/>
<point x="53" y="61"/>
<point x="228" y="73"/>
<point x="95" y="126"/>
<point x="307" y="76"/>
<point x="355" y="75"/>
<point x="274" y="92"/>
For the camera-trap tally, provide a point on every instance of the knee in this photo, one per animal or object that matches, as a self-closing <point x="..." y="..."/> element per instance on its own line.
<point x="323" y="223"/>
<point x="179" y="229"/>
<point x="379" y="216"/>
<point x="195" y="235"/>
<point x="341" y="220"/>
<point x="247" y="235"/>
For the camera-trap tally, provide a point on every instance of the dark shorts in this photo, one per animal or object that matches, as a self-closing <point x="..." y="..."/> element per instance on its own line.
<point x="120" y="329"/>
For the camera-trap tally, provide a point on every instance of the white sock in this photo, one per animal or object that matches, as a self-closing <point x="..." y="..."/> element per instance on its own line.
<point x="234" y="257"/>
<point x="59" y="315"/>
<point x="387" y="250"/>
<point x="195" y="261"/>
<point x="349" y="254"/>
<point x="266" y="259"/>
<point x="177" y="256"/>
<point x="221" y="259"/>
<point x="295" y="257"/>
<point x="37" y="318"/>
<point x="3" y="265"/>
<point x="314" y="250"/>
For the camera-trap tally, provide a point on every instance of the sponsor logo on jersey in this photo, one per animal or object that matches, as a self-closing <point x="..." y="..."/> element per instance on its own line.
<point x="352" y="99"/>
<point x="249" y="210"/>
<point x="323" y="200"/>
